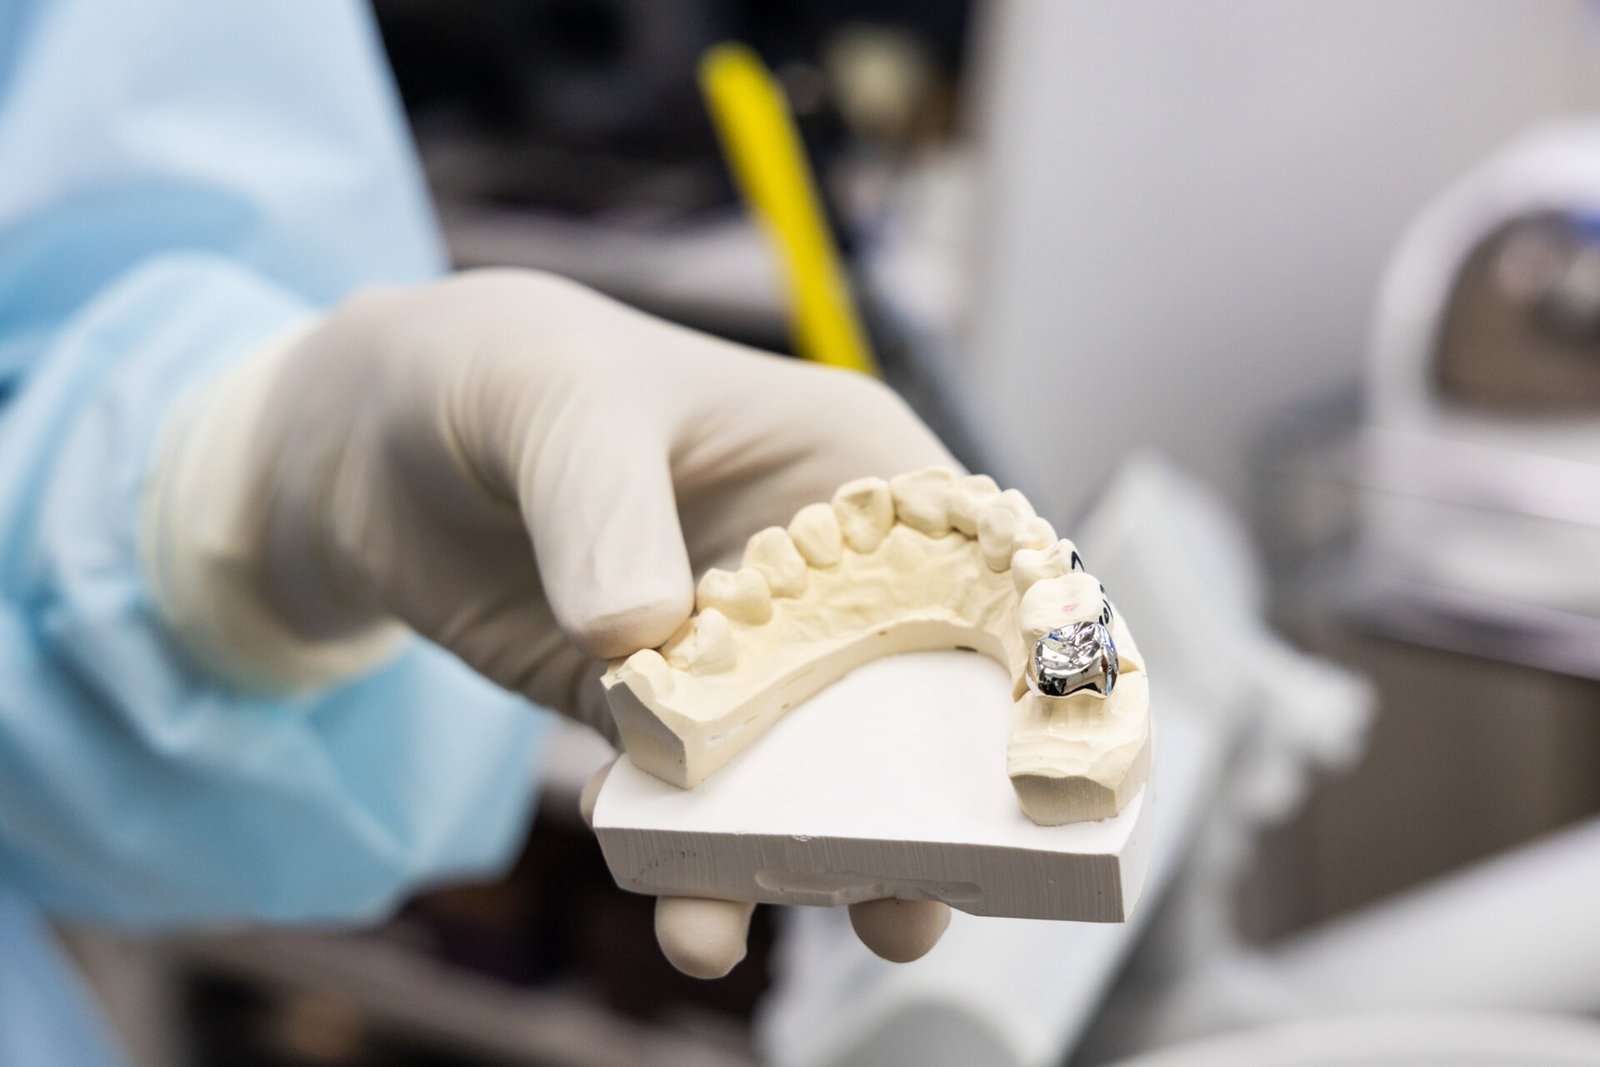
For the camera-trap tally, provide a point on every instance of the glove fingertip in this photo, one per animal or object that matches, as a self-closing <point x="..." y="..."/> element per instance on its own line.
<point x="607" y="631"/>
<point x="900" y="930"/>
<point x="702" y="938"/>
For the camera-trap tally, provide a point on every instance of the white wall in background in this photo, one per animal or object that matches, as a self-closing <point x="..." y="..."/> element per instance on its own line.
<point x="1185" y="207"/>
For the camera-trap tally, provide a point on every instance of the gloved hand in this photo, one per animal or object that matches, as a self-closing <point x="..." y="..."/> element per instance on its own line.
<point x="514" y="467"/>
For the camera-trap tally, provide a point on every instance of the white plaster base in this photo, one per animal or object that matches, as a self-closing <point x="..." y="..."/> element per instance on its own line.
<point x="890" y="782"/>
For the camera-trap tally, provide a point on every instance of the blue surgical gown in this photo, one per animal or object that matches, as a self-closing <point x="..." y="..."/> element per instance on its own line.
<point x="180" y="184"/>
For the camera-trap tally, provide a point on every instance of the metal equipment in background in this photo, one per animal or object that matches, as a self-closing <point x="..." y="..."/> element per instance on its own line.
<point x="1438" y="531"/>
<point x="1480" y="460"/>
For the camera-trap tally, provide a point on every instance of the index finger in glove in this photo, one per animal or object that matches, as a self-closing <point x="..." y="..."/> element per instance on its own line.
<point x="643" y="450"/>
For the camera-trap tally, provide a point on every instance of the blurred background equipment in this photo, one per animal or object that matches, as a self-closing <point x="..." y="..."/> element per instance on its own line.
<point x="1358" y="408"/>
<point x="1483" y="453"/>
<point x="571" y="135"/>
<point x="1194" y="205"/>
<point x="764" y="153"/>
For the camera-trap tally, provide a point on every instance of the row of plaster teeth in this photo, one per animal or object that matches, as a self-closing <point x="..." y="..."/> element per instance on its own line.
<point x="933" y="502"/>
<point x="859" y="517"/>
<point x="777" y="561"/>
<point x="1046" y="571"/>
<point x="936" y="501"/>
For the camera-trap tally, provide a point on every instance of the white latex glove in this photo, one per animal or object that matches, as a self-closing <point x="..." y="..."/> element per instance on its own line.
<point x="521" y="470"/>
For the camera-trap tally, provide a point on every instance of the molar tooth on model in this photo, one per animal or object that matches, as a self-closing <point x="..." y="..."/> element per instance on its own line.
<point x="997" y="527"/>
<point x="773" y="553"/>
<point x="816" y="535"/>
<point x="1052" y="603"/>
<point x="1035" y="532"/>
<point x="741" y="595"/>
<point x="922" y="499"/>
<point x="968" y="497"/>
<point x="708" y="646"/>
<point x="1029" y="565"/>
<point x="866" y="511"/>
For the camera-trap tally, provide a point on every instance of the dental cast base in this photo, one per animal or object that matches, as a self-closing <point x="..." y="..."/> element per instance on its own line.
<point x="924" y="561"/>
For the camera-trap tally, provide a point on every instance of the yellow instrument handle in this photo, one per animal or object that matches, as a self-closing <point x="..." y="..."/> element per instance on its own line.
<point x="764" y="152"/>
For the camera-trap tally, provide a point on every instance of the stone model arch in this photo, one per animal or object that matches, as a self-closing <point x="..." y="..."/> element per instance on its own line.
<point x="924" y="561"/>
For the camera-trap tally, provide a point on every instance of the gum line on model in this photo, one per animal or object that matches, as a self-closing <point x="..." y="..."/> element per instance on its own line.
<point x="923" y="561"/>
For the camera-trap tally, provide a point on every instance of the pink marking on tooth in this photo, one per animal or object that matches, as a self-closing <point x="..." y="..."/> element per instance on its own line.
<point x="1070" y="607"/>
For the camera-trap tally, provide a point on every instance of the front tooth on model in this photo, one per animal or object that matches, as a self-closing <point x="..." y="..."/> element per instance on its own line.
<point x="998" y="525"/>
<point x="741" y="595"/>
<point x="709" y="647"/>
<point x="815" y="533"/>
<point x="922" y="499"/>
<point x="773" y="554"/>
<point x="1056" y="602"/>
<point x="1029" y="565"/>
<point x="968" y="497"/>
<point x="866" y="511"/>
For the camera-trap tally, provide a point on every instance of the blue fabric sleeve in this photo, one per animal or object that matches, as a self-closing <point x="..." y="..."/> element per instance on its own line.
<point x="183" y="184"/>
<point x="46" y="1019"/>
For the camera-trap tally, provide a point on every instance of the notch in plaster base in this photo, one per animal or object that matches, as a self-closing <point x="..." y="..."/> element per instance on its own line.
<point x="890" y="782"/>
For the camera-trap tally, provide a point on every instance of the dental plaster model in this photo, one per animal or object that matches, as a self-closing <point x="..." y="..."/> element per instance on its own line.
<point x="887" y="783"/>
<point x="922" y="562"/>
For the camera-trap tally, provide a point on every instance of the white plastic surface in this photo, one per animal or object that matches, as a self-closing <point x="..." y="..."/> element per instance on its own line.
<point x="891" y="782"/>
<point x="997" y="992"/>
<point x="1444" y="1039"/>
